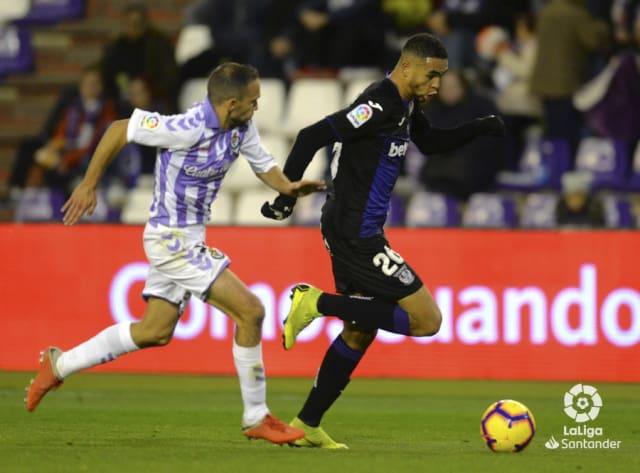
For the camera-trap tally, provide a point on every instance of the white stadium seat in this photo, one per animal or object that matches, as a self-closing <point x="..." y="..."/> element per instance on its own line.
<point x="194" y="90"/>
<point x="240" y="177"/>
<point x="14" y="10"/>
<point x="268" y="117"/>
<point x="277" y="145"/>
<point x="193" y="40"/>
<point x="247" y="211"/>
<point x="355" y="88"/>
<point x="311" y="100"/>
<point x="136" y="209"/>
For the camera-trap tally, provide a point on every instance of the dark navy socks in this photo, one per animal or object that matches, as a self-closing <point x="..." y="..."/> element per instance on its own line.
<point x="333" y="376"/>
<point x="366" y="313"/>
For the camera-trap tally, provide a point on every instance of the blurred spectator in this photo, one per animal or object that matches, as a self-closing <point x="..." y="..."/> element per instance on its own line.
<point x="611" y="101"/>
<point x="566" y="36"/>
<point x="274" y="55"/>
<point x="623" y="15"/>
<point x="74" y="136"/>
<point x="519" y="107"/>
<point x="473" y="167"/>
<point x="334" y="34"/>
<point x="458" y="21"/>
<point x="28" y="147"/>
<point x="236" y="30"/>
<point x="578" y="207"/>
<point x="140" y="51"/>
<point x="403" y="18"/>
<point x="134" y="158"/>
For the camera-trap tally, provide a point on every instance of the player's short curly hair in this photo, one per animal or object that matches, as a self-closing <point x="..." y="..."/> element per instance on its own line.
<point x="230" y="80"/>
<point x="425" y="45"/>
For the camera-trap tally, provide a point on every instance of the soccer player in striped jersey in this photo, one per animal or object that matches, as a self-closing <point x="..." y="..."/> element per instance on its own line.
<point x="195" y="151"/>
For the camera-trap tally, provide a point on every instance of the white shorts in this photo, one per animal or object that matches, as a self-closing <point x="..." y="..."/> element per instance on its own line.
<point x="180" y="263"/>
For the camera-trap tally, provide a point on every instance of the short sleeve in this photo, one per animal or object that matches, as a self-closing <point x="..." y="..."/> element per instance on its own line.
<point x="260" y="160"/>
<point x="362" y="118"/>
<point x="164" y="131"/>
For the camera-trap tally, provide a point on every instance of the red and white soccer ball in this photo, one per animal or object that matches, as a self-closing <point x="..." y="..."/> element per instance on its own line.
<point x="507" y="426"/>
<point x="490" y="40"/>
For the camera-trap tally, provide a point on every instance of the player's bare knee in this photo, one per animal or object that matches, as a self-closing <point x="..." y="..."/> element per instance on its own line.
<point x="145" y="336"/>
<point x="253" y="312"/>
<point x="426" y="323"/>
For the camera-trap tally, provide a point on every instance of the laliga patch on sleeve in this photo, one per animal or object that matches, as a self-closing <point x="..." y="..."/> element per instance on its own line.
<point x="360" y="115"/>
<point x="150" y="122"/>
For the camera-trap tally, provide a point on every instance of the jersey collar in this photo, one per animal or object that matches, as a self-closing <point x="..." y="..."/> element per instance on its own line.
<point x="393" y="86"/>
<point x="210" y="118"/>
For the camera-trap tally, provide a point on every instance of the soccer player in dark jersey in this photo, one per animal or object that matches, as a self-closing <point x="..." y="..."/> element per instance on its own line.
<point x="377" y="288"/>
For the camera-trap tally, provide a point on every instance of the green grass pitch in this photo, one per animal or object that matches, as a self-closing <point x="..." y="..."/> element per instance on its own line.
<point x="122" y="423"/>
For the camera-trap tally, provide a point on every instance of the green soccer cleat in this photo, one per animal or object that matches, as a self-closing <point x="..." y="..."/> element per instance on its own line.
<point x="315" y="437"/>
<point x="304" y="309"/>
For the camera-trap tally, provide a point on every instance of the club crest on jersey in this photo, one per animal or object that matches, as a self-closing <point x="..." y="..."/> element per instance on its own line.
<point x="405" y="275"/>
<point x="398" y="149"/>
<point x="150" y="122"/>
<point x="235" y="142"/>
<point x="360" y="115"/>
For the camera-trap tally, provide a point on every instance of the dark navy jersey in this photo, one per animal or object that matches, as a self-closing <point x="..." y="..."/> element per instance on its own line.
<point x="372" y="137"/>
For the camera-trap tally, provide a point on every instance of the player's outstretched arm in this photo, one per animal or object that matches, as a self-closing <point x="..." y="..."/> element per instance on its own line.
<point x="276" y="179"/>
<point x="440" y="140"/>
<point x="289" y="191"/>
<point x="83" y="198"/>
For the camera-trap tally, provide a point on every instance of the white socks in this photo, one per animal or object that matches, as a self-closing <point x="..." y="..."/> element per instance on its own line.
<point x="253" y="385"/>
<point x="104" y="347"/>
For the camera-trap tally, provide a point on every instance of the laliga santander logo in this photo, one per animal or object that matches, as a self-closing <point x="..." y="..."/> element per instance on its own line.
<point x="471" y="315"/>
<point x="582" y="403"/>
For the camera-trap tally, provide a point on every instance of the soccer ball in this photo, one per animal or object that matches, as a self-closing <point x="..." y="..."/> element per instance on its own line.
<point x="507" y="426"/>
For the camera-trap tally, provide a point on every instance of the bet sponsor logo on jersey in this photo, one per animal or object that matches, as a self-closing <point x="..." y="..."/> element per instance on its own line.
<point x="398" y="149"/>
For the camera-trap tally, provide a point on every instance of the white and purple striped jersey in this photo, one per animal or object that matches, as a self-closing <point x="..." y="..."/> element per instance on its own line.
<point x="194" y="154"/>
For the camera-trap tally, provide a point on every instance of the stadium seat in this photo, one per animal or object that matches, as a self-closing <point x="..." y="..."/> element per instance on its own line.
<point x="192" y="40"/>
<point x="194" y="90"/>
<point x="222" y="209"/>
<point x="354" y="89"/>
<point x="247" y="211"/>
<point x="539" y="211"/>
<point x="17" y="56"/>
<point x="14" y="10"/>
<point x="308" y="210"/>
<point x="240" y="177"/>
<point x="136" y="208"/>
<point x="50" y="12"/>
<point x="606" y="160"/>
<point x="268" y="117"/>
<point x="276" y="145"/>
<point x="634" y="181"/>
<point x="431" y="209"/>
<point x="617" y="212"/>
<point x="489" y="211"/>
<point x="541" y="165"/>
<point x="37" y="205"/>
<point x="311" y="100"/>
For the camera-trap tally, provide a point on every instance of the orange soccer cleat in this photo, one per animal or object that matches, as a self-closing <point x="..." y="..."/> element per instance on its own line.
<point x="45" y="380"/>
<point x="273" y="430"/>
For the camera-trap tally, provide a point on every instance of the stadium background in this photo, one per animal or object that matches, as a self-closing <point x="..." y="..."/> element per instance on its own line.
<point x="515" y="300"/>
